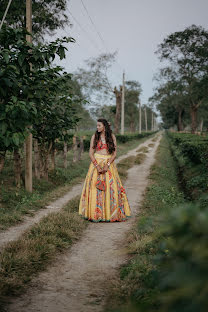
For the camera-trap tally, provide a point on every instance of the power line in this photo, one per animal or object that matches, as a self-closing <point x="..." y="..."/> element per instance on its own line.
<point x="95" y="45"/>
<point x="93" y="42"/>
<point x="98" y="33"/>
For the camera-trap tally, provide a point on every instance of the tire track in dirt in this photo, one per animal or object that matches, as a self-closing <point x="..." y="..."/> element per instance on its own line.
<point x="16" y="231"/>
<point x="77" y="279"/>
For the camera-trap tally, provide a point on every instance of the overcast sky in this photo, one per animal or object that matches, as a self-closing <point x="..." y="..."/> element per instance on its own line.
<point x="134" y="28"/>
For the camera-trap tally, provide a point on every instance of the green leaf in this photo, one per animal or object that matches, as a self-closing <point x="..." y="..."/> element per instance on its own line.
<point x="15" y="138"/>
<point x="6" y="57"/>
<point x="61" y="52"/>
<point x="21" y="59"/>
<point x="3" y="127"/>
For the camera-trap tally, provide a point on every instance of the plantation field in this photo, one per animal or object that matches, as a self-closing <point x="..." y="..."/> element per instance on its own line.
<point x="168" y="246"/>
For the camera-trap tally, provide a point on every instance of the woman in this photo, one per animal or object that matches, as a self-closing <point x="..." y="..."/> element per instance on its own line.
<point x="103" y="197"/>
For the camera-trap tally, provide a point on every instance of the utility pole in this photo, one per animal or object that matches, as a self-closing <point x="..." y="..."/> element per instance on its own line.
<point x="118" y="94"/>
<point x="28" y="141"/>
<point x="140" y="117"/>
<point x="152" y="127"/>
<point x="5" y="13"/>
<point x="145" y="116"/>
<point x="122" y="105"/>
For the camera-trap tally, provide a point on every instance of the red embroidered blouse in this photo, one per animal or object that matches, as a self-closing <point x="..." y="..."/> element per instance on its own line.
<point x="100" y="146"/>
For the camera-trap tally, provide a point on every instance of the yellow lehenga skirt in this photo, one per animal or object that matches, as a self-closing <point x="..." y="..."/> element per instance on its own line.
<point x="109" y="205"/>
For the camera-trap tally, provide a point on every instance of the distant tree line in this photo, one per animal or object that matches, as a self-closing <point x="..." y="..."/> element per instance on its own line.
<point x="181" y="95"/>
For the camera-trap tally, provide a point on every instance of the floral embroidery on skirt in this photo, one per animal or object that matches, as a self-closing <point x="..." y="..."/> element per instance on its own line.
<point x="99" y="205"/>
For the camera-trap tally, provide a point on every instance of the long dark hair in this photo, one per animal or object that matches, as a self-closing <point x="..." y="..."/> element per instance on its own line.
<point x="108" y="136"/>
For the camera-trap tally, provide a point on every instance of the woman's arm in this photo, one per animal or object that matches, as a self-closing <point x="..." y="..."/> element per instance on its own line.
<point x="114" y="153"/>
<point x="91" y="151"/>
<point x="91" y="154"/>
<point x="110" y="160"/>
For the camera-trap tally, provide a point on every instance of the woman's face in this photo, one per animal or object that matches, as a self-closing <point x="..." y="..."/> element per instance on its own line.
<point x="100" y="127"/>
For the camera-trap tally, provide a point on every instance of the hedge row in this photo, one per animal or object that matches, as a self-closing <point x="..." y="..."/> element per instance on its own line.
<point x="192" y="146"/>
<point x="191" y="154"/>
<point x="119" y="137"/>
<point x="169" y="265"/>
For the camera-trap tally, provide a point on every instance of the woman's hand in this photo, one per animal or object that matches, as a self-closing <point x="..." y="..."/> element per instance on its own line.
<point x="99" y="169"/>
<point x="105" y="168"/>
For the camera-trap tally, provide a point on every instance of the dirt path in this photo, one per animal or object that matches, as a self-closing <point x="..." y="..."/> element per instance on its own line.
<point x="76" y="280"/>
<point x="16" y="231"/>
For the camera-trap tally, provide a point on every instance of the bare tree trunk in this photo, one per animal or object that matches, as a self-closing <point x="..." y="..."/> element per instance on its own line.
<point x="17" y="168"/>
<point x="201" y="124"/>
<point x="53" y="157"/>
<point x="152" y="127"/>
<point x="132" y="127"/>
<point x="41" y="161"/>
<point x="193" y="119"/>
<point x="81" y="148"/>
<point x="75" y="148"/>
<point x="44" y="160"/>
<point x="2" y="160"/>
<point x="118" y="95"/>
<point x="46" y="165"/>
<point x="65" y="155"/>
<point x="36" y="159"/>
<point x="180" y="124"/>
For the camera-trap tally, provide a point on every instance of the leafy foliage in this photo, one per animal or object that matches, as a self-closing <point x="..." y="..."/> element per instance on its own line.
<point x="29" y="87"/>
<point x="48" y="15"/>
<point x="187" y="56"/>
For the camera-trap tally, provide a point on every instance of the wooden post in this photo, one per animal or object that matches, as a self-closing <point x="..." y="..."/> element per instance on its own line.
<point x="152" y="127"/>
<point x="118" y="95"/>
<point x="75" y="148"/>
<point x="122" y="105"/>
<point x="140" y="117"/>
<point x="145" y="116"/>
<point x="28" y="142"/>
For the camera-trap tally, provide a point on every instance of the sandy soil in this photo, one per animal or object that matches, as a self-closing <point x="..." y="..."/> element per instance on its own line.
<point x="76" y="281"/>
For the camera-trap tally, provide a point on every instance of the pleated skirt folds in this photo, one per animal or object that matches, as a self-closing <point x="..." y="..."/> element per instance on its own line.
<point x="109" y="205"/>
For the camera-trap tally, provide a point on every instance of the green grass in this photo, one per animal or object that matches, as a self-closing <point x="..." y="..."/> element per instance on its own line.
<point x="137" y="282"/>
<point x="140" y="157"/>
<point x="15" y="203"/>
<point x="36" y="249"/>
<point x="143" y="149"/>
<point x="22" y="259"/>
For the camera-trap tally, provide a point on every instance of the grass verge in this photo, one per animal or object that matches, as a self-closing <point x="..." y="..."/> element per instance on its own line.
<point x="20" y="260"/>
<point x="15" y="203"/>
<point x="138" y="278"/>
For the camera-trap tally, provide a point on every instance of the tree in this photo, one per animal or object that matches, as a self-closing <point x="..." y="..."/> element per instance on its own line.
<point x="21" y="100"/>
<point x="73" y="87"/>
<point x="187" y="52"/>
<point x="171" y="96"/>
<point x="132" y="92"/>
<point x="48" y="15"/>
<point x="56" y="113"/>
<point x="94" y="82"/>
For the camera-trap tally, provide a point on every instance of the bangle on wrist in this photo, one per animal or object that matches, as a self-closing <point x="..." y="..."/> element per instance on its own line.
<point x="108" y="163"/>
<point x="95" y="163"/>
